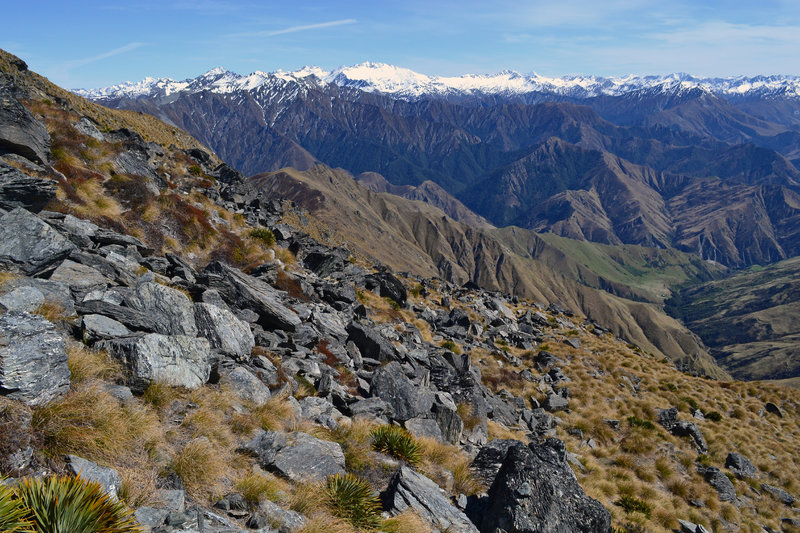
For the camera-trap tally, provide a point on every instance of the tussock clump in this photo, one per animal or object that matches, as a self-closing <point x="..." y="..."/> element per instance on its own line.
<point x="352" y="499"/>
<point x="397" y="442"/>
<point x="201" y="466"/>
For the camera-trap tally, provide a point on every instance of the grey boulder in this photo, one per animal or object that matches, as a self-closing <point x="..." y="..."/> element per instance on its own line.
<point x="740" y="466"/>
<point x="80" y="279"/>
<point x="407" y="399"/>
<point x="242" y="382"/>
<point x="29" y="244"/>
<point x="717" y="479"/>
<point x="240" y="290"/>
<point x="409" y="489"/>
<point x="175" y="360"/>
<point x="20" y="190"/>
<point x="33" y="359"/>
<point x="223" y="330"/>
<point x="20" y="132"/>
<point x="108" y="478"/>
<point x="22" y="299"/>
<point x="306" y="458"/>
<point x="98" y="327"/>
<point x="172" y="310"/>
<point x="535" y="491"/>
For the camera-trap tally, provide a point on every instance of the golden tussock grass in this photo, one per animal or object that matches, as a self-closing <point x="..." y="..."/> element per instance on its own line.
<point x="88" y="421"/>
<point x="406" y="522"/>
<point x="88" y="364"/>
<point x="201" y="465"/>
<point x="257" y="487"/>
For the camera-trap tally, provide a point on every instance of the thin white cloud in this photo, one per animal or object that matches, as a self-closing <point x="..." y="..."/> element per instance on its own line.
<point x="105" y="55"/>
<point x="293" y="29"/>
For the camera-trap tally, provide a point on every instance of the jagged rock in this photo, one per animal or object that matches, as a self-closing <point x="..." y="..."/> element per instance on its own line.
<point x="329" y="324"/>
<point x="717" y="479"/>
<point x="33" y="359"/>
<point x="22" y="299"/>
<point x="98" y="327"/>
<point x="535" y="490"/>
<point x="284" y="520"/>
<point x="108" y="478"/>
<point x="545" y="360"/>
<point x="410" y="489"/>
<point x="120" y="392"/>
<point x="20" y="190"/>
<point x="224" y="331"/>
<point x="740" y="466"/>
<point x="265" y="447"/>
<point x="80" y="279"/>
<point x="29" y="244"/>
<point x="240" y="290"/>
<point x="136" y="320"/>
<point x="175" y="360"/>
<point x="407" y="399"/>
<point x="574" y="343"/>
<point x="20" y="132"/>
<point x="56" y="294"/>
<point x="489" y="459"/>
<point x="114" y="266"/>
<point x="681" y="428"/>
<point x="86" y="126"/>
<point x="321" y="260"/>
<point x="105" y="236"/>
<point x="306" y="458"/>
<point x="388" y="286"/>
<point x="774" y="409"/>
<point x="172" y="310"/>
<point x="445" y="412"/>
<point x="370" y="343"/>
<point x="245" y="384"/>
<point x="424" y="427"/>
<point x="778" y="493"/>
<point x="689" y="527"/>
<point x="555" y="402"/>
<point x="371" y="407"/>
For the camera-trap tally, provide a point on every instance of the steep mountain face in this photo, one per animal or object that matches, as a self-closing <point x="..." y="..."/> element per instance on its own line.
<point x="417" y="237"/>
<point x="621" y="168"/>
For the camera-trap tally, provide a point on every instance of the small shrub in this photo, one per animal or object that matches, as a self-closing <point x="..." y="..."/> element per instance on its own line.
<point x="450" y="345"/>
<point x="544" y="346"/>
<point x="669" y="386"/>
<point x="634" y="505"/>
<point x="639" y="423"/>
<point x="714" y="416"/>
<point x="65" y="503"/>
<point x="195" y="170"/>
<point x="692" y="403"/>
<point x="264" y="235"/>
<point x="397" y="442"/>
<point x="352" y="499"/>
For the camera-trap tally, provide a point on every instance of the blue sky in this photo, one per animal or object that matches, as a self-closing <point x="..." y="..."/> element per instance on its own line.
<point x="89" y="44"/>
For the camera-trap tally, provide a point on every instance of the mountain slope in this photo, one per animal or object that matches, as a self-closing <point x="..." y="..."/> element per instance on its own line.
<point x="552" y="166"/>
<point x="417" y="237"/>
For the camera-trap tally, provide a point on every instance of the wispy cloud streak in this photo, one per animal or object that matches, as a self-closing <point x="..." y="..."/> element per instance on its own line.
<point x="105" y="55"/>
<point x="293" y="29"/>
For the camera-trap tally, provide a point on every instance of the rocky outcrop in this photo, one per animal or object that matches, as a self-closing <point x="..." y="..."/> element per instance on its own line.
<point x="681" y="428"/>
<point x="407" y="399"/>
<point x="297" y="456"/>
<point x="241" y="290"/>
<point x="740" y="466"/>
<point x="30" y="245"/>
<point x="174" y="310"/>
<point x="175" y="360"/>
<point x="20" y="132"/>
<point x="223" y="330"/>
<point x="17" y="189"/>
<point x="409" y="489"/>
<point x="535" y="491"/>
<point x="33" y="359"/>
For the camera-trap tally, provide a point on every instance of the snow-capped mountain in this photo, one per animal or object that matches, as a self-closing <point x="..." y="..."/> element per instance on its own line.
<point x="407" y="84"/>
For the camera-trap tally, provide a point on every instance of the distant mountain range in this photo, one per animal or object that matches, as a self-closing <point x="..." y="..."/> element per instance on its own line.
<point x="405" y="83"/>
<point x="707" y="166"/>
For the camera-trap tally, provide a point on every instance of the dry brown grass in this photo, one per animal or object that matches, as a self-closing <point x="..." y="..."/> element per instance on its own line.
<point x="5" y="277"/>
<point x="90" y="422"/>
<point x="257" y="487"/>
<point x="88" y="364"/>
<point x="406" y="522"/>
<point x="201" y="465"/>
<point x="276" y="414"/>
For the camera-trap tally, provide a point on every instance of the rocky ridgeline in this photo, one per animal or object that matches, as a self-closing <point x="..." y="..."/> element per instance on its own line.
<point x="167" y="322"/>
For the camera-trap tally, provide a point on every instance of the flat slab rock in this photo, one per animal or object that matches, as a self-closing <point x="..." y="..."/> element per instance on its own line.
<point x="297" y="456"/>
<point x="410" y="489"/>
<point x="176" y="360"/>
<point x="33" y="359"/>
<point x="29" y="244"/>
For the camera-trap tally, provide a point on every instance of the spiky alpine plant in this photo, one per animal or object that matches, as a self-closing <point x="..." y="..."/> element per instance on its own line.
<point x="12" y="512"/>
<point x="397" y="442"/>
<point x="66" y="504"/>
<point x="352" y="499"/>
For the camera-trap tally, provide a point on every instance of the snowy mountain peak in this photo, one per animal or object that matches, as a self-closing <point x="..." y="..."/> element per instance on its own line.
<point x="405" y="83"/>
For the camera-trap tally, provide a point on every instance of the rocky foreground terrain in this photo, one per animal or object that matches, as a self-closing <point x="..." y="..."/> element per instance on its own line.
<point x="167" y="329"/>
